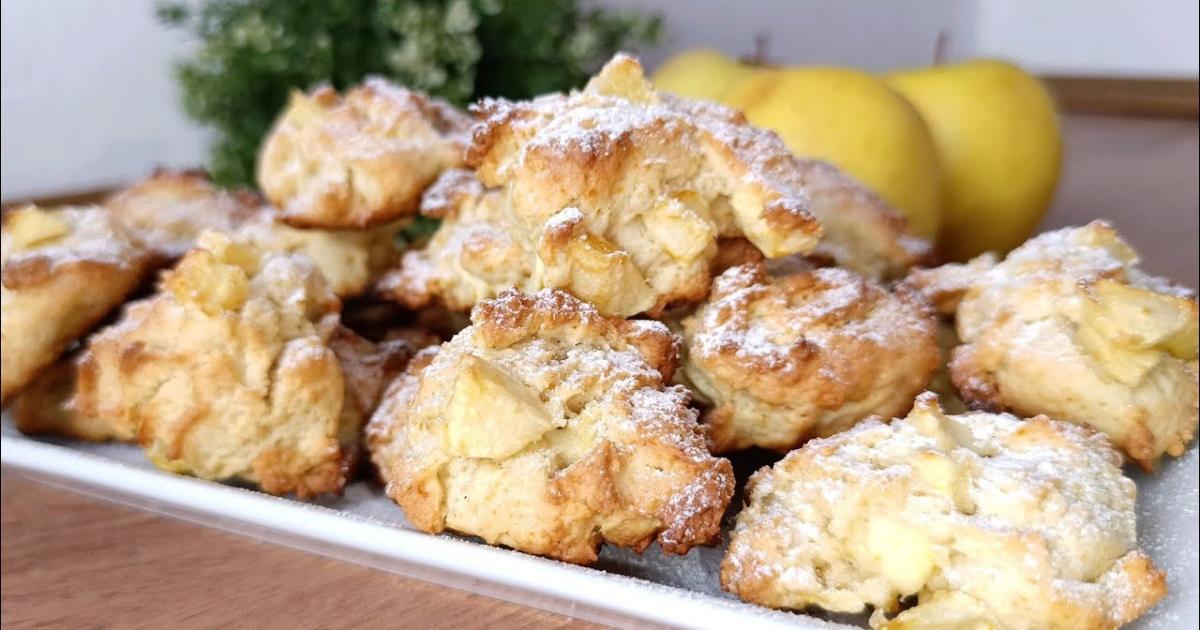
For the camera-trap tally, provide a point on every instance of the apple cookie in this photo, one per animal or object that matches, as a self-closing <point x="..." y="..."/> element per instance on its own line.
<point x="551" y="429"/>
<point x="988" y="520"/>
<point x="644" y="166"/>
<point x="237" y="369"/>
<point x="361" y="160"/>
<point x="63" y="271"/>
<point x="167" y="211"/>
<point x="622" y="196"/>
<point x="786" y="354"/>
<point x="1067" y="325"/>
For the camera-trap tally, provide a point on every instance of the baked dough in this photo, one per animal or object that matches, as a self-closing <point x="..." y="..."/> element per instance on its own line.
<point x="990" y="521"/>
<point x="167" y="211"/>
<point x="63" y="271"/>
<point x="786" y="354"/>
<point x="1067" y="325"/>
<point x="621" y="196"/>
<point x="237" y="369"/>
<point x="549" y="428"/>
<point x="623" y="192"/>
<point x="360" y="160"/>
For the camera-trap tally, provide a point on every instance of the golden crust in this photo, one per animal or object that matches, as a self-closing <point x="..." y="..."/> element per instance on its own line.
<point x="798" y="353"/>
<point x="549" y="428"/>
<point x="989" y="521"/>
<point x="44" y="408"/>
<point x="368" y="367"/>
<point x="236" y="369"/>
<point x="1068" y="326"/>
<point x="618" y="144"/>
<point x="361" y="160"/>
<point x="63" y="271"/>
<point x="167" y="211"/>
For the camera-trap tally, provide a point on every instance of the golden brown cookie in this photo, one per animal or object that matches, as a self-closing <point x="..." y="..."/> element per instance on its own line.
<point x="623" y="193"/>
<point x="551" y="429"/>
<point x="237" y="369"/>
<point x="1067" y="325"/>
<point x="988" y="520"/>
<point x="63" y="270"/>
<point x="359" y="160"/>
<point x="783" y="355"/>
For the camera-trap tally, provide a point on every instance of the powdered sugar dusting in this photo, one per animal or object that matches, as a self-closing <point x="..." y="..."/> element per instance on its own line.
<point x="766" y="320"/>
<point x="90" y="235"/>
<point x="1045" y="500"/>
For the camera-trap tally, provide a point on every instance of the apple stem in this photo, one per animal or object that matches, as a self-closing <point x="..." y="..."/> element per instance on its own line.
<point x="762" y="42"/>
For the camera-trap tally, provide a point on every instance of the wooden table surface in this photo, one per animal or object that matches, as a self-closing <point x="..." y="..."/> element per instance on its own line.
<point x="71" y="561"/>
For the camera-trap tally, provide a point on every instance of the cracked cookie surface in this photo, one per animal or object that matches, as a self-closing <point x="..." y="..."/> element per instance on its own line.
<point x="1069" y="326"/>
<point x="236" y="369"/>
<point x="987" y="519"/>
<point x="64" y="270"/>
<point x="783" y="353"/>
<point x="551" y="429"/>
<point x="168" y="212"/>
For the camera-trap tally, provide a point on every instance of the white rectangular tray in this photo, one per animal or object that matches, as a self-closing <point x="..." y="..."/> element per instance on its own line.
<point x="622" y="589"/>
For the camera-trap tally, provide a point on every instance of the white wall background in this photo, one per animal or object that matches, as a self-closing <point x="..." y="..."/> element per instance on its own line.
<point x="88" y="99"/>
<point x="87" y="96"/>
<point x="1104" y="37"/>
<point x="1108" y="37"/>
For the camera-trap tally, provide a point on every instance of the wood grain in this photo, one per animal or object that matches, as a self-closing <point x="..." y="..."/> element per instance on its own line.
<point x="1126" y="96"/>
<point x="72" y="561"/>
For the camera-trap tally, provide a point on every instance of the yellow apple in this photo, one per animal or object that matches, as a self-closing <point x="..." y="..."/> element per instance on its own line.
<point x="701" y="73"/>
<point x="854" y="120"/>
<point x="998" y="135"/>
